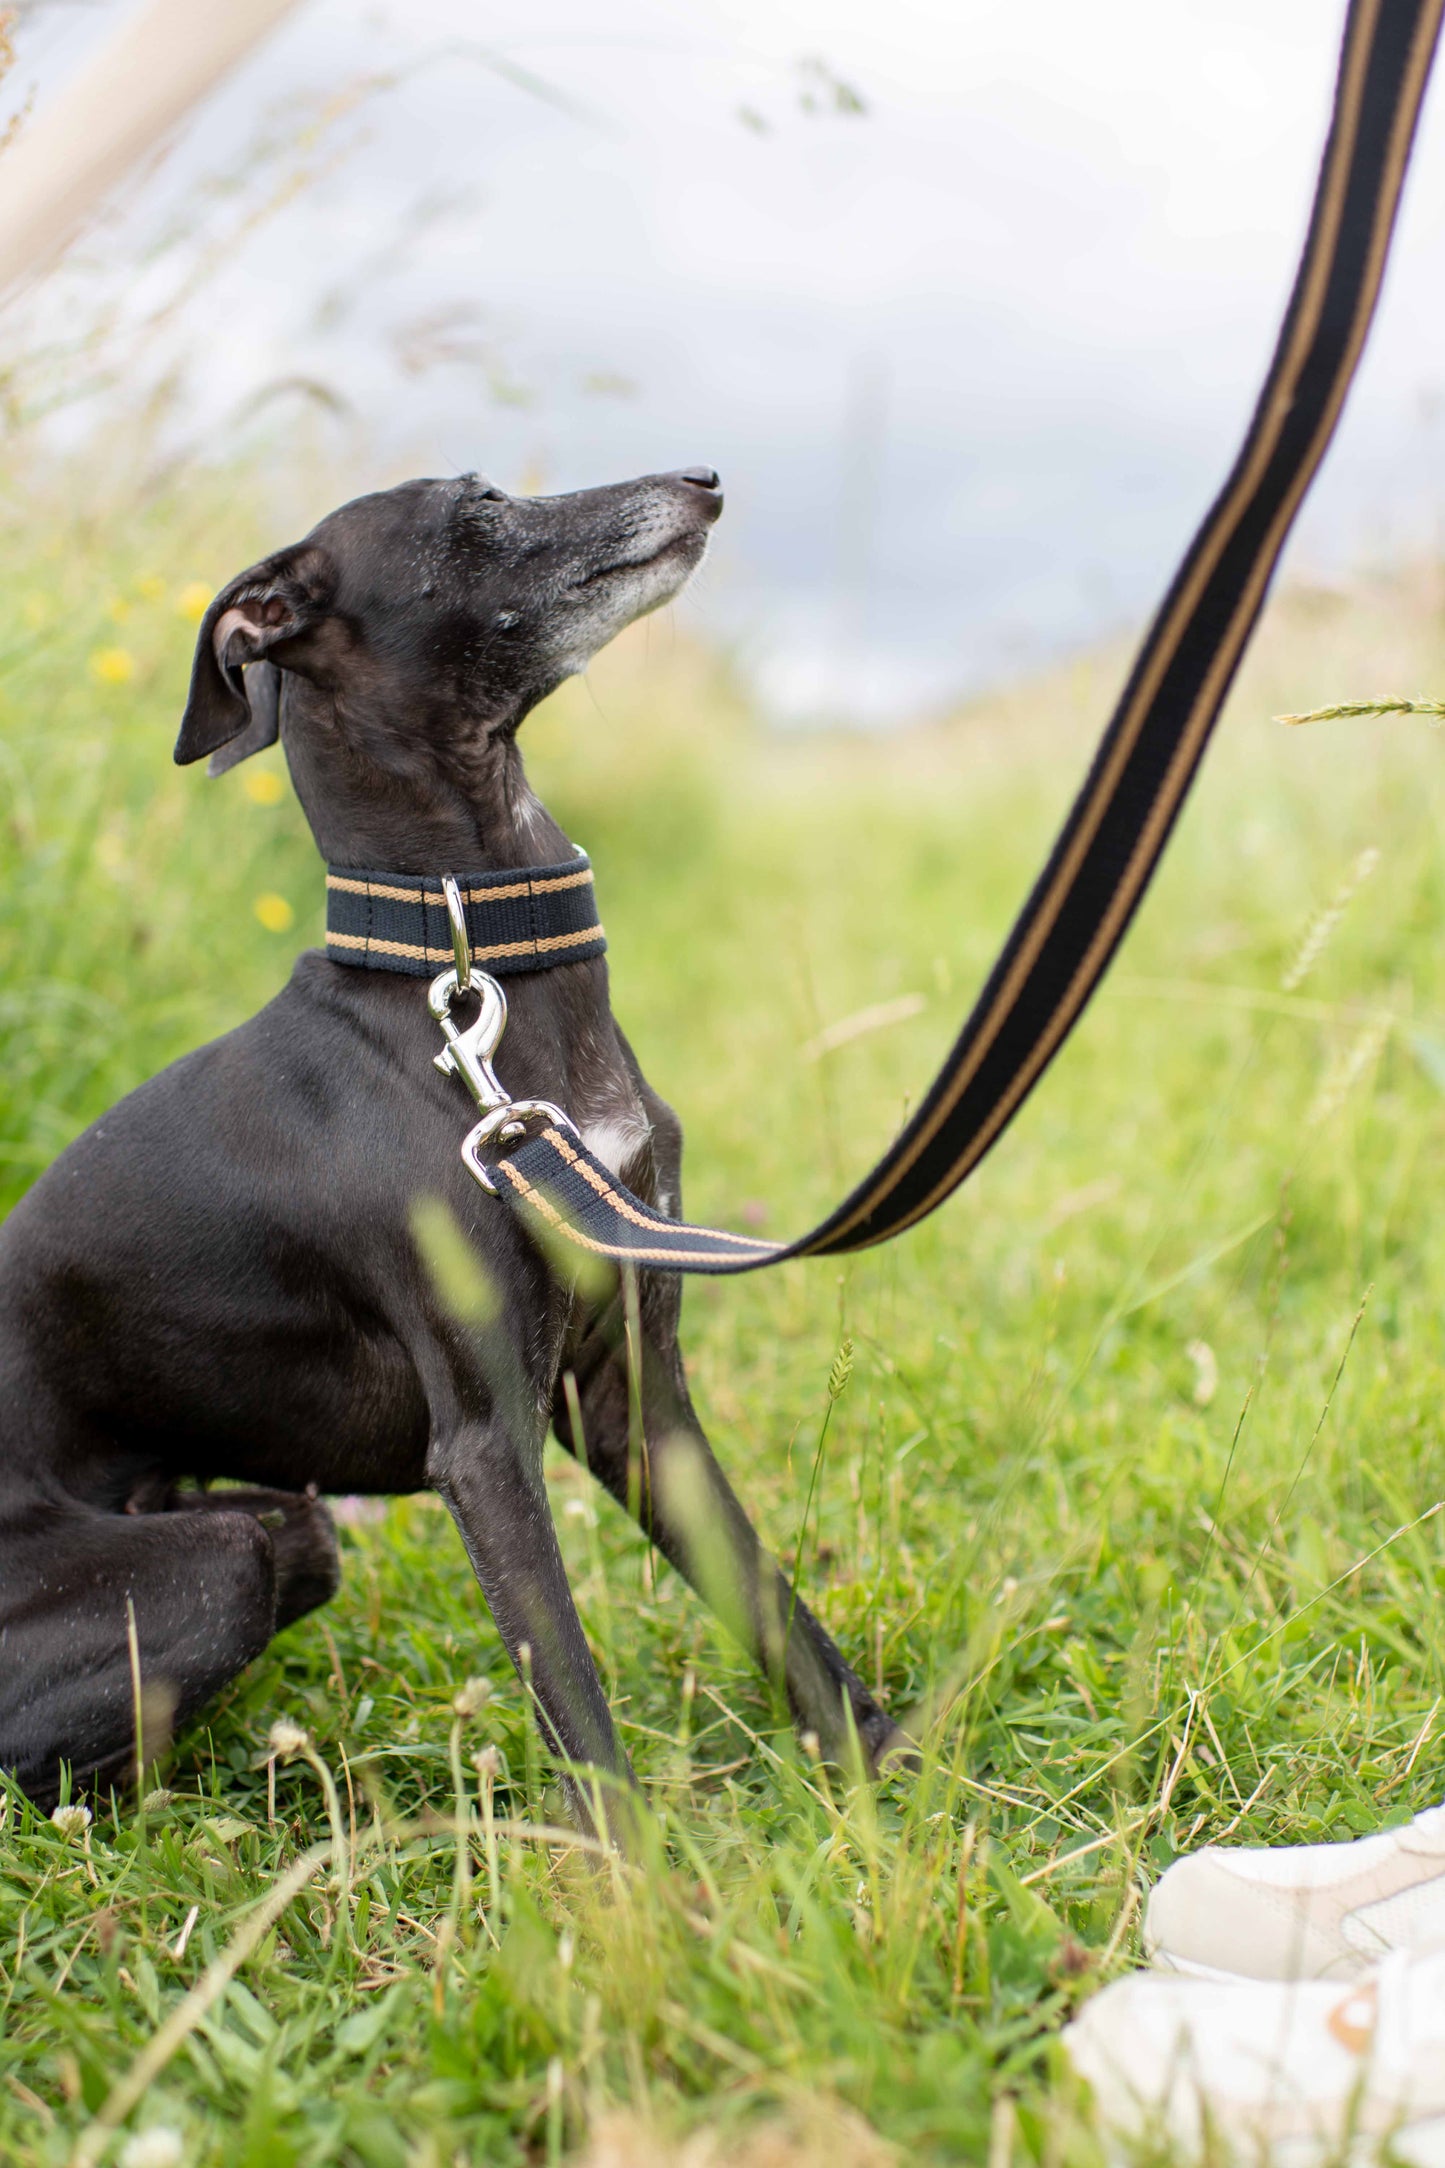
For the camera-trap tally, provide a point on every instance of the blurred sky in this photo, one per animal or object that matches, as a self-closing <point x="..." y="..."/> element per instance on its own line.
<point x="971" y="363"/>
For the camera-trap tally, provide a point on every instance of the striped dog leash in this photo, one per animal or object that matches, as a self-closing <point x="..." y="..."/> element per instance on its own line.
<point x="531" y="1156"/>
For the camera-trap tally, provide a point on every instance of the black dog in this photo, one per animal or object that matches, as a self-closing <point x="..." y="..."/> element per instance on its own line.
<point x="220" y="1279"/>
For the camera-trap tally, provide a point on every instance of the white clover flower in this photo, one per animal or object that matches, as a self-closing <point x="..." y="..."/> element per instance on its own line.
<point x="286" y="1738"/>
<point x="471" y="1699"/>
<point x="158" y="2147"/>
<point x="71" y="1821"/>
<point x="156" y="1802"/>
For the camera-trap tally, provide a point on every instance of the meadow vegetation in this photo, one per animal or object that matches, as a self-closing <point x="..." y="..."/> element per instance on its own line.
<point x="1128" y="1499"/>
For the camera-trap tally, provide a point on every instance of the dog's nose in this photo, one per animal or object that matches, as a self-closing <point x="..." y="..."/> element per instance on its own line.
<point x="700" y="477"/>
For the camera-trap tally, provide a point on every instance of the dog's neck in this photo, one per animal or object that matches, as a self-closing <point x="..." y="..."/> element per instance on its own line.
<point x="385" y="798"/>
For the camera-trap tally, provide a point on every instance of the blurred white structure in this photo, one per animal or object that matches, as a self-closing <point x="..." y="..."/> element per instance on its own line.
<point x="116" y="112"/>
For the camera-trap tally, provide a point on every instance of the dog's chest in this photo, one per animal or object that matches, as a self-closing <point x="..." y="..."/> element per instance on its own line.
<point x="620" y="1135"/>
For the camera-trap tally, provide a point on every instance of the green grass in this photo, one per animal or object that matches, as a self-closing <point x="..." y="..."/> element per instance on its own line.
<point x="1127" y="1496"/>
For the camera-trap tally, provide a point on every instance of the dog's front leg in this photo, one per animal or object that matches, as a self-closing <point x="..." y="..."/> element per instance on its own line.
<point x="680" y="1495"/>
<point x="497" y="1497"/>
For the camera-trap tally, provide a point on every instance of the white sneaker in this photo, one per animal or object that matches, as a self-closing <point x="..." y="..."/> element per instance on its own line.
<point x="1304" y="1911"/>
<point x="1298" y="2073"/>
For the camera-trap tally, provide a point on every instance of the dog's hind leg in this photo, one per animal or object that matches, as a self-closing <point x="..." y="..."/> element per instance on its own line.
<point x="203" y="1586"/>
<point x="676" y="1490"/>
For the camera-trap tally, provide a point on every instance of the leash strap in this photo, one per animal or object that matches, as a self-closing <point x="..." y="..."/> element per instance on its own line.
<point x="516" y="921"/>
<point x="1113" y="836"/>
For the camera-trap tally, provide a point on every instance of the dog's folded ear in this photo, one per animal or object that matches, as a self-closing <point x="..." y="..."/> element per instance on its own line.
<point x="263" y="703"/>
<point x="235" y="697"/>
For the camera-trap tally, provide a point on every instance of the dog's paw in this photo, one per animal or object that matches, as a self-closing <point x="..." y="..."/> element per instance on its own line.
<point x="885" y="1748"/>
<point x="303" y="1542"/>
<point x="308" y="1565"/>
<point x="895" y="1754"/>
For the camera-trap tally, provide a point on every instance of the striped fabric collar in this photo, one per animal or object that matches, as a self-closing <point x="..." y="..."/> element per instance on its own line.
<point x="522" y="920"/>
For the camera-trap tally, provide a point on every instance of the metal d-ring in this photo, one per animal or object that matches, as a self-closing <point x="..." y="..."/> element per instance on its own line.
<point x="501" y="1125"/>
<point x="461" y="939"/>
<point x="500" y="1121"/>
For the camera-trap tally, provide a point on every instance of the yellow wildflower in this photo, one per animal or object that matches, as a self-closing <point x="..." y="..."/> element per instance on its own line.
<point x="274" y="912"/>
<point x="112" y="665"/>
<point x="193" y="601"/>
<point x="150" y="587"/>
<point x="263" y="787"/>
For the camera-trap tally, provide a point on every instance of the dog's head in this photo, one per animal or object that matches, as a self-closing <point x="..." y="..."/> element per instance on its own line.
<point x="436" y="612"/>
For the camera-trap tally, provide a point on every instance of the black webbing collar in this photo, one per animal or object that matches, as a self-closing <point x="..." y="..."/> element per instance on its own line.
<point x="522" y="920"/>
<point x="1119" y="824"/>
